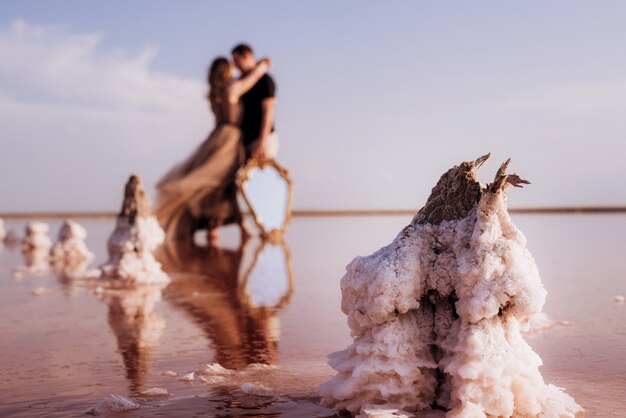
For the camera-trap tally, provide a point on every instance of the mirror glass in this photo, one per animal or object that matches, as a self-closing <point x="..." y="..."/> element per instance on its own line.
<point x="266" y="190"/>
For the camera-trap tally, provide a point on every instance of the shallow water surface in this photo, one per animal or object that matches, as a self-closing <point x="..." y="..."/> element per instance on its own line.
<point x="271" y="314"/>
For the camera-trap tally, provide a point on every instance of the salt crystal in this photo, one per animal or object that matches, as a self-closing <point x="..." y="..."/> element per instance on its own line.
<point x="255" y="389"/>
<point x="460" y="282"/>
<point x="36" y="237"/>
<point x="136" y="236"/>
<point x="70" y="247"/>
<point x="155" y="392"/>
<point x="212" y="380"/>
<point x="216" y="369"/>
<point x="189" y="377"/>
<point x="382" y="411"/>
<point x="42" y="291"/>
<point x="113" y="403"/>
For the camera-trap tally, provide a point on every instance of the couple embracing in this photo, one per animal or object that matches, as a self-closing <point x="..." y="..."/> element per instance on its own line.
<point x="200" y="192"/>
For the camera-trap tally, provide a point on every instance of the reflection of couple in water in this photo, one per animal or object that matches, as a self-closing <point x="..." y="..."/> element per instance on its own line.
<point x="208" y="284"/>
<point x="201" y="192"/>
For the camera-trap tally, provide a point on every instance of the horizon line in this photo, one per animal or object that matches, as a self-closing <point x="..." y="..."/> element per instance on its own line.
<point x="324" y="212"/>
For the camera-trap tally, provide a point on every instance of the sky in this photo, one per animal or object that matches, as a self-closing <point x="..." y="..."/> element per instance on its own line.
<point x="376" y="99"/>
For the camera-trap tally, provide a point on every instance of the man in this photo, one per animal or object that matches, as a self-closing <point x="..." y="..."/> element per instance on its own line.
<point x="259" y="104"/>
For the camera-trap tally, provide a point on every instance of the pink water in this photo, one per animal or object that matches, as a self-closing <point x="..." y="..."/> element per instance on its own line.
<point x="63" y="352"/>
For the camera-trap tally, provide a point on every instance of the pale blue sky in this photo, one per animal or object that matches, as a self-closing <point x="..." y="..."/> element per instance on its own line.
<point x="376" y="99"/>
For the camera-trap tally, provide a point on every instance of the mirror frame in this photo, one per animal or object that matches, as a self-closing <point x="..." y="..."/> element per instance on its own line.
<point x="274" y="235"/>
<point x="245" y="296"/>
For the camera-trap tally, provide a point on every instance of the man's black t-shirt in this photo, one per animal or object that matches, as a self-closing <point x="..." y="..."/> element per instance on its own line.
<point x="252" y="111"/>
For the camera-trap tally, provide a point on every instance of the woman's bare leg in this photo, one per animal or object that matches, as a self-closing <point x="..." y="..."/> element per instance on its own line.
<point x="246" y="232"/>
<point x="212" y="236"/>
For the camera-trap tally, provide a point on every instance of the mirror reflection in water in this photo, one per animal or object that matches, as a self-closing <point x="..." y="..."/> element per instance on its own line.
<point x="268" y="283"/>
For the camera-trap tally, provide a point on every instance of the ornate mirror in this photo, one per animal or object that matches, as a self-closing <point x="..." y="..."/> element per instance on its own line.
<point x="267" y="281"/>
<point x="266" y="188"/>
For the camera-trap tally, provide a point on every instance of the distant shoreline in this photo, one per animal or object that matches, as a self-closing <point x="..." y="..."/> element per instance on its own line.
<point x="328" y="212"/>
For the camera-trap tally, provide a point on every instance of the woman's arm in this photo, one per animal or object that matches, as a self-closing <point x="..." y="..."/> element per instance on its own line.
<point x="239" y="87"/>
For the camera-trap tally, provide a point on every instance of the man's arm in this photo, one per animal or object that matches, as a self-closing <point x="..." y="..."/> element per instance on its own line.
<point x="268" y="106"/>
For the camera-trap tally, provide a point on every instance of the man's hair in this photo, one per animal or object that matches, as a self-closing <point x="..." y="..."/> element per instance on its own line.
<point x="242" y="49"/>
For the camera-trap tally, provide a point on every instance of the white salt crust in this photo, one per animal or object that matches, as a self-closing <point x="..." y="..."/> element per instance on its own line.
<point x="70" y="247"/>
<point x="437" y="318"/>
<point x="131" y="248"/>
<point x="113" y="404"/>
<point x="36" y="237"/>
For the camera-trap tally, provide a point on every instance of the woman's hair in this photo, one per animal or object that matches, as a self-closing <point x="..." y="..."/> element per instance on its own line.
<point x="219" y="76"/>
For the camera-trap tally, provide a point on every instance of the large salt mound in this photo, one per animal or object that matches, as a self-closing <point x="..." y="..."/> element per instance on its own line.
<point x="437" y="316"/>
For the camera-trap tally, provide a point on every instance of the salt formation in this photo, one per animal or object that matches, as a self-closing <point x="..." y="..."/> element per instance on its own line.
<point x="42" y="291"/>
<point x="12" y="238"/>
<point x="35" y="247"/>
<point x="36" y="237"/>
<point x="35" y="264"/>
<point x="188" y="377"/>
<point x="70" y="247"/>
<point x="136" y="236"/>
<point x="112" y="404"/>
<point x="215" y="369"/>
<point x="155" y="392"/>
<point x="437" y="315"/>
<point x="3" y="233"/>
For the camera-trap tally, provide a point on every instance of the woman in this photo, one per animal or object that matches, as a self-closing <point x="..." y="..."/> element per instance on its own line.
<point x="201" y="192"/>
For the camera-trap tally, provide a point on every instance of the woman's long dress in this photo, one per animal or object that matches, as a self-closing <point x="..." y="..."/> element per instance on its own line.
<point x="201" y="191"/>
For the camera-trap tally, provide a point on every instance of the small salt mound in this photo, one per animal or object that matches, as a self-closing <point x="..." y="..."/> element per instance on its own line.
<point x="155" y="392"/>
<point x="113" y="403"/>
<point x="36" y="237"/>
<point x="170" y="373"/>
<point x="213" y="380"/>
<point x="214" y="369"/>
<point x="42" y="291"/>
<point x="70" y="246"/>
<point x="35" y="263"/>
<point x="2" y="231"/>
<point x="189" y="377"/>
<point x="619" y="299"/>
<point x="382" y="411"/>
<point x="260" y="366"/>
<point x="539" y="322"/>
<point x="19" y="273"/>
<point x="255" y="389"/>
